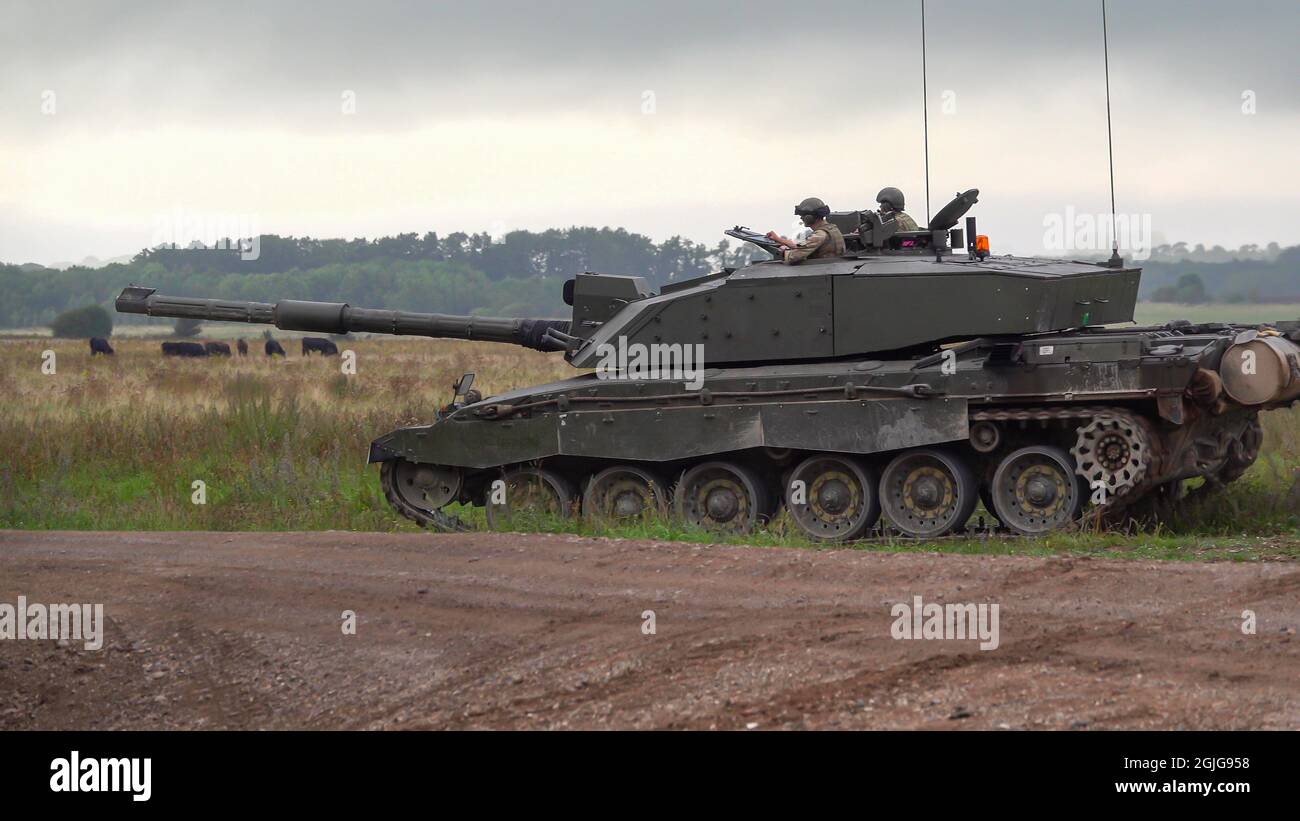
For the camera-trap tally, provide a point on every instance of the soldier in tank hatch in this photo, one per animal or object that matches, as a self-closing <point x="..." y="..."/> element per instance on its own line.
<point x="826" y="239"/>
<point x="891" y="208"/>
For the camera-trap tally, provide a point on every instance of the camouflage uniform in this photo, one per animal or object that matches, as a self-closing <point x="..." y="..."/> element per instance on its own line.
<point x="826" y="241"/>
<point x="905" y="223"/>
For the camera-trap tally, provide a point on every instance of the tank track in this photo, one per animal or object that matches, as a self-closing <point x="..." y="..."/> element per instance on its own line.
<point x="1111" y="513"/>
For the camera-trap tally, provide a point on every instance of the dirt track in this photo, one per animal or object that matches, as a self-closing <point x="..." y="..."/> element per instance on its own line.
<point x="238" y="630"/>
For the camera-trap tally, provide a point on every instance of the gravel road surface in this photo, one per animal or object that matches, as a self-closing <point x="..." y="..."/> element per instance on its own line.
<point x="483" y="630"/>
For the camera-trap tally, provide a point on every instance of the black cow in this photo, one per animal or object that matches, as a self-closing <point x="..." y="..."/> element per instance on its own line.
<point x="183" y="349"/>
<point x="217" y="348"/>
<point x="100" y="345"/>
<point x="242" y="346"/>
<point x="273" y="348"/>
<point x="320" y="345"/>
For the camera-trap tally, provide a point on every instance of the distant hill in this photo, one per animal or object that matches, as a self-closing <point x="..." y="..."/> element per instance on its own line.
<point x="88" y="262"/>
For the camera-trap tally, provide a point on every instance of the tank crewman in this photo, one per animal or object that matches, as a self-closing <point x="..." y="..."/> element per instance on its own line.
<point x="826" y="239"/>
<point x="891" y="208"/>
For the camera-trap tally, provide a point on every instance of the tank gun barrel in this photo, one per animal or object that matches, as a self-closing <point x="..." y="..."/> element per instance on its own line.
<point x="339" y="317"/>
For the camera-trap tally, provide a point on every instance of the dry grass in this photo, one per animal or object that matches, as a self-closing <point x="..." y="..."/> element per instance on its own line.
<point x="115" y="443"/>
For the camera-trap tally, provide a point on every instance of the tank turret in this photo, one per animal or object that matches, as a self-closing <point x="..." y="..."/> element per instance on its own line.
<point x="890" y="293"/>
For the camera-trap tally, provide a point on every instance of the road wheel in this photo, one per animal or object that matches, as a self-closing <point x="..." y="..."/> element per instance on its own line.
<point x="528" y="498"/>
<point x="720" y="496"/>
<point x="1036" y="490"/>
<point x="832" y="498"/>
<point x="624" y="493"/>
<point x="927" y="493"/>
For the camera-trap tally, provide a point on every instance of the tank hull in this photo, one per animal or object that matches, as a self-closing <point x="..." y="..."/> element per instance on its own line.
<point x="1151" y="396"/>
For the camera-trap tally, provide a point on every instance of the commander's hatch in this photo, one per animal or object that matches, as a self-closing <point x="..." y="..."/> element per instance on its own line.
<point x="866" y="232"/>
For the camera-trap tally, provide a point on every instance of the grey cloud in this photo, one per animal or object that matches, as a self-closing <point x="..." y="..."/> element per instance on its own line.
<point x="1029" y="72"/>
<point x="285" y="64"/>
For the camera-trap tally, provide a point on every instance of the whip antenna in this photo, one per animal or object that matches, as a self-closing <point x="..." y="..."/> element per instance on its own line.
<point x="1115" y="260"/>
<point x="925" y="116"/>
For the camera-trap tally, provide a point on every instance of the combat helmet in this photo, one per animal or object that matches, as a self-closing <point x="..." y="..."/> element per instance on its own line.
<point x="812" y="206"/>
<point x="892" y="197"/>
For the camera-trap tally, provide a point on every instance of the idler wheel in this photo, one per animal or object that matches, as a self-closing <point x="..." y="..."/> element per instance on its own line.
<point x="419" y="491"/>
<point x="528" y="498"/>
<point x="927" y="493"/>
<point x="832" y="498"/>
<point x="623" y="493"/>
<point x="427" y="487"/>
<point x="1035" y="490"/>
<point x="720" y="496"/>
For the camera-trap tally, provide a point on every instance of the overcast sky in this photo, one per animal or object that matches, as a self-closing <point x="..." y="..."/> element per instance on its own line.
<point x="121" y="126"/>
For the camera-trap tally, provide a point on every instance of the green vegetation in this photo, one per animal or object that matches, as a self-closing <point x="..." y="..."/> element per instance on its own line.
<point x="519" y="274"/>
<point x="82" y="323"/>
<point x="117" y="443"/>
<point x="1189" y="290"/>
<point x="461" y="273"/>
<point x="1197" y="536"/>
<point x="1246" y="275"/>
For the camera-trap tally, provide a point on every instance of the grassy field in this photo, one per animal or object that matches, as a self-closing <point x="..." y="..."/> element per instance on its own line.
<point x="1158" y="313"/>
<point x="117" y="443"/>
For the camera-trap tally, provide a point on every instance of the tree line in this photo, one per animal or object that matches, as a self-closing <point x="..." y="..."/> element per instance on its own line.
<point x="519" y="275"/>
<point x="1260" y="279"/>
<point x="517" y="255"/>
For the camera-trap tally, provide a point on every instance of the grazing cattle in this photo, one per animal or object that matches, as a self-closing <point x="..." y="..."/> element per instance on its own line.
<point x="183" y="349"/>
<point x="273" y="348"/>
<point x="217" y="348"/>
<point x="100" y="345"/>
<point x="320" y="345"/>
<point x="242" y="346"/>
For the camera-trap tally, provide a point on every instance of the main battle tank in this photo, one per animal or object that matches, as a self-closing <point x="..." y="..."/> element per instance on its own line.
<point x="904" y="378"/>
